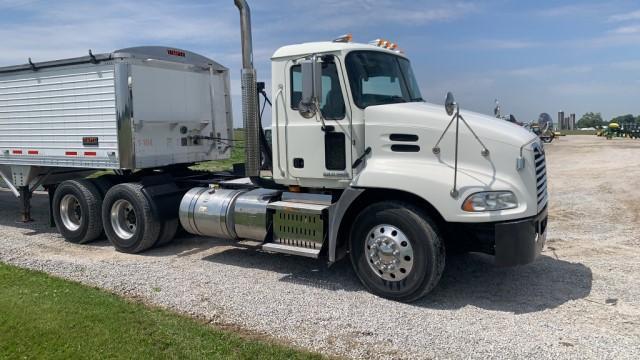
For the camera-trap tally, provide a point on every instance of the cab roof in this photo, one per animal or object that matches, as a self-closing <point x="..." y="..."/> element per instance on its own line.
<point x="325" y="47"/>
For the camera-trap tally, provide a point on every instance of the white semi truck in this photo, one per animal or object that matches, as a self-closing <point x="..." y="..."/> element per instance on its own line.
<point x="361" y="166"/>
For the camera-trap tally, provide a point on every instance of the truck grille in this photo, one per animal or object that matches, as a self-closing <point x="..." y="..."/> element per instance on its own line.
<point x="541" y="175"/>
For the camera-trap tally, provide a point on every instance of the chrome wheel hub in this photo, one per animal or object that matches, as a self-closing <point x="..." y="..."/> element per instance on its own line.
<point x="123" y="219"/>
<point x="70" y="212"/>
<point x="389" y="252"/>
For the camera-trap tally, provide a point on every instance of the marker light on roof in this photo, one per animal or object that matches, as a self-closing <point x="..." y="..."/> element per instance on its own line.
<point x="386" y="44"/>
<point x="346" y="38"/>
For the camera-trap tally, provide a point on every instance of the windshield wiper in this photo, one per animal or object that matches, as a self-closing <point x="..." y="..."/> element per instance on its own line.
<point x="417" y="99"/>
<point x="397" y="99"/>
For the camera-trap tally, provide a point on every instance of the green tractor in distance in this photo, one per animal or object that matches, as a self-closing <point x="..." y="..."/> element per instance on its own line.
<point x="611" y="131"/>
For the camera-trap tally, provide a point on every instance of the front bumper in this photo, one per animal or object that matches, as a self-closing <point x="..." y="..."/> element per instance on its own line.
<point x="514" y="242"/>
<point x="520" y="242"/>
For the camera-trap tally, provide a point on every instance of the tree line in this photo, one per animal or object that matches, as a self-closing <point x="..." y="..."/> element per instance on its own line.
<point x="592" y="119"/>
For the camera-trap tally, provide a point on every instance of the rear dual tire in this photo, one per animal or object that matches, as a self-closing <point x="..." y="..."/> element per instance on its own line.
<point x="130" y="223"/>
<point x="76" y="211"/>
<point x="84" y="210"/>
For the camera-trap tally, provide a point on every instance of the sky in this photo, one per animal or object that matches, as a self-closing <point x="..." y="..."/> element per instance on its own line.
<point x="533" y="56"/>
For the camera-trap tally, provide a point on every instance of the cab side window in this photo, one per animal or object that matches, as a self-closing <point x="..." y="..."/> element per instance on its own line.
<point x="332" y="105"/>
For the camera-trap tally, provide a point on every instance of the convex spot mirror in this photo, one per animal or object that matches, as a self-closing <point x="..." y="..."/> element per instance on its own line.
<point x="311" y="86"/>
<point x="450" y="104"/>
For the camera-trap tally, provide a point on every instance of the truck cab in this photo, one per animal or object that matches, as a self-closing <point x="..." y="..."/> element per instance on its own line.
<point x="368" y="131"/>
<point x="370" y="108"/>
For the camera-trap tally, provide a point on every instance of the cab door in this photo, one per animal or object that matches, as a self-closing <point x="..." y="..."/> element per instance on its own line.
<point x="319" y="148"/>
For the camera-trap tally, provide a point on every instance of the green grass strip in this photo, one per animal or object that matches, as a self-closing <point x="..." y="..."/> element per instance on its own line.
<point x="47" y="317"/>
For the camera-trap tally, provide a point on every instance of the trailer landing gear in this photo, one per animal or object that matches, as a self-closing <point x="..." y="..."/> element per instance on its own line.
<point x="25" y="202"/>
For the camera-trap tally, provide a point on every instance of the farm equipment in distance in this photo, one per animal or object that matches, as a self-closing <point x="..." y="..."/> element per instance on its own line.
<point x="543" y="128"/>
<point x="614" y="129"/>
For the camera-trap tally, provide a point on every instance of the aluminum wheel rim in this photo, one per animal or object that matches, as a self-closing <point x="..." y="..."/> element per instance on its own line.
<point x="70" y="212"/>
<point x="389" y="252"/>
<point x="124" y="220"/>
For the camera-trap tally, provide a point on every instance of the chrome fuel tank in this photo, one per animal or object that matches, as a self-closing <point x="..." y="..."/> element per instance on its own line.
<point x="250" y="213"/>
<point x="208" y="212"/>
<point x="227" y="213"/>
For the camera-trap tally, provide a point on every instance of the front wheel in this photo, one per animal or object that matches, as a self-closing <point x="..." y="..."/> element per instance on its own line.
<point x="396" y="251"/>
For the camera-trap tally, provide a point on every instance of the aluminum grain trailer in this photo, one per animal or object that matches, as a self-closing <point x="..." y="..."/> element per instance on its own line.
<point x="144" y="113"/>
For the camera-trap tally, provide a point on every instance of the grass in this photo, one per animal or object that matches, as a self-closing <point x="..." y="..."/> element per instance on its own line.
<point x="237" y="155"/>
<point x="578" y="132"/>
<point x="46" y="317"/>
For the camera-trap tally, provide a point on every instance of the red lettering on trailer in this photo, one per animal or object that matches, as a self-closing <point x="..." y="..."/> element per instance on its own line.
<point x="90" y="153"/>
<point x="71" y="153"/>
<point x="17" y="152"/>
<point x="176" y="53"/>
<point x="33" y="152"/>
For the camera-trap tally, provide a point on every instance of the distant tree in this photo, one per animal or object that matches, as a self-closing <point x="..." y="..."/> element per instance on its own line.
<point x="624" y="119"/>
<point x="590" y="119"/>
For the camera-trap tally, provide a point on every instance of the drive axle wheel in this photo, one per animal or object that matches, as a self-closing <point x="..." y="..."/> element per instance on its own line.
<point x="396" y="251"/>
<point x="76" y="211"/>
<point x="128" y="220"/>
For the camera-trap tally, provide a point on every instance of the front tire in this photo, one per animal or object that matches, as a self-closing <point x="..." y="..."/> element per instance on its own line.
<point x="128" y="219"/>
<point x="76" y="211"/>
<point x="396" y="251"/>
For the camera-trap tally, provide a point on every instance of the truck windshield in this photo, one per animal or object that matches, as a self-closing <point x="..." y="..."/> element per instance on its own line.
<point x="378" y="78"/>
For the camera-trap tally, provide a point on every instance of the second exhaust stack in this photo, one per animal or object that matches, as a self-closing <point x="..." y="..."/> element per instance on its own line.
<point x="249" y="95"/>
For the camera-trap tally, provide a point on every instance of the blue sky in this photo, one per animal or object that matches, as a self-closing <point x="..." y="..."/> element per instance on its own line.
<point x="534" y="56"/>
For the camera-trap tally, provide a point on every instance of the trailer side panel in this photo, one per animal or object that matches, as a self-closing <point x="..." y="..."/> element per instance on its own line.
<point x="59" y="116"/>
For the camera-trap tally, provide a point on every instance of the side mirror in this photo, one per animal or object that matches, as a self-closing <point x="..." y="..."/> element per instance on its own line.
<point x="311" y="87"/>
<point x="450" y="104"/>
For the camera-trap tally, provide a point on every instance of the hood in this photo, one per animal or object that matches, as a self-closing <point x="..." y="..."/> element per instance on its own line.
<point x="431" y="116"/>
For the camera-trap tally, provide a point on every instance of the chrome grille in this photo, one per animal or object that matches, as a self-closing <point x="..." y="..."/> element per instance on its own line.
<point x="541" y="175"/>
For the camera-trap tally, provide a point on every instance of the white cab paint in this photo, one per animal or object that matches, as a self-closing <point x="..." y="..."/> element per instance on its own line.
<point x="422" y="173"/>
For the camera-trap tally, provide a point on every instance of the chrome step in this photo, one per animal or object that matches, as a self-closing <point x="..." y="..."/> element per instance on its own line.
<point x="291" y="250"/>
<point x="298" y="207"/>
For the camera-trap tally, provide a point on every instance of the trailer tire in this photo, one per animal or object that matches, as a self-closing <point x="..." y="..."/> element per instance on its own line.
<point x="396" y="251"/>
<point x="168" y="232"/>
<point x="76" y="211"/>
<point x="128" y="220"/>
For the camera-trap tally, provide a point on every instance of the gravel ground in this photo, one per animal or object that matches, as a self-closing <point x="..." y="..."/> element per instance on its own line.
<point x="580" y="299"/>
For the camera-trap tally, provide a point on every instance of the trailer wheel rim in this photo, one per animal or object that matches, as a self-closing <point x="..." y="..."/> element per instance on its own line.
<point x="124" y="220"/>
<point x="389" y="252"/>
<point x="71" y="212"/>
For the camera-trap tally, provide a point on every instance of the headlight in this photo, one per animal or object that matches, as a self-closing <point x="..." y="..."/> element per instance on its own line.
<point x="490" y="200"/>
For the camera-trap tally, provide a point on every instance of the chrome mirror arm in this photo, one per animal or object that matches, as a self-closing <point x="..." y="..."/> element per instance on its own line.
<point x="436" y="149"/>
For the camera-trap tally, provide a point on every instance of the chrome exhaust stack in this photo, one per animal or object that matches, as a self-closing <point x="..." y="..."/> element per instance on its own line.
<point x="251" y="120"/>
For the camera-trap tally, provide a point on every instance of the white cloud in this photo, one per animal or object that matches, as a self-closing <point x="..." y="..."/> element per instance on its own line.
<point x="573" y="10"/>
<point x="340" y="15"/>
<point x="69" y="28"/>
<point x="624" y="30"/>
<point x="606" y="41"/>
<point x="634" y="15"/>
<point x="631" y="65"/>
<point x="501" y="44"/>
<point x="552" y="70"/>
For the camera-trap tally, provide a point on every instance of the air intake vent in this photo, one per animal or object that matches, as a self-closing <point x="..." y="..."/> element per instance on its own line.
<point x="541" y="175"/>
